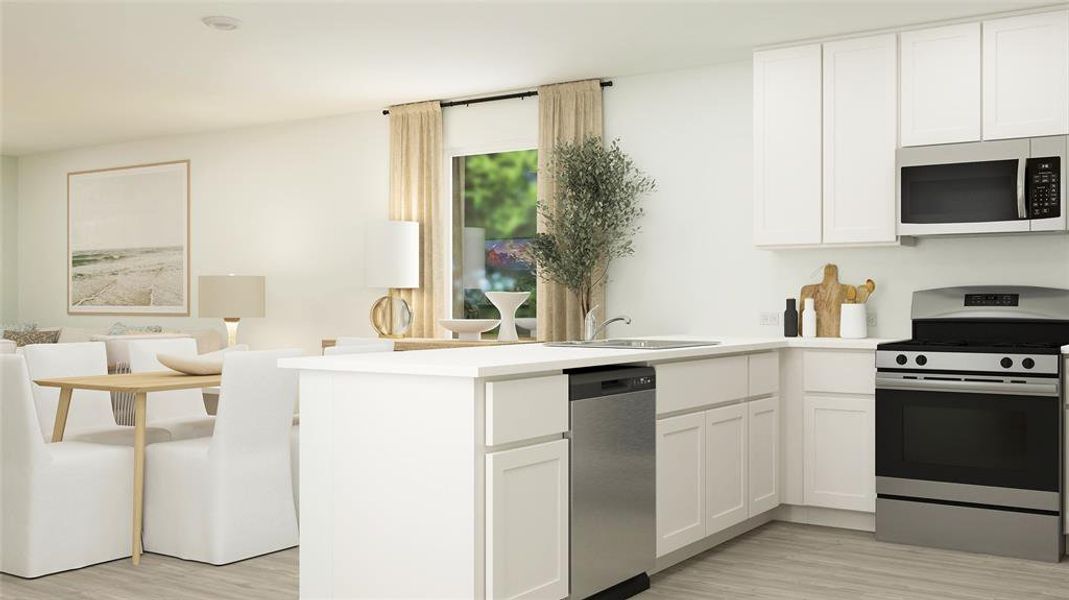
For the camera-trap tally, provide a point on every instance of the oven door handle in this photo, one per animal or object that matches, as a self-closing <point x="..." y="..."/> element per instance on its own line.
<point x="1022" y="210"/>
<point x="970" y="387"/>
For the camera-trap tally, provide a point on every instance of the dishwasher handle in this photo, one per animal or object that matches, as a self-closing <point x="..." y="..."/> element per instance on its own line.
<point x="598" y="383"/>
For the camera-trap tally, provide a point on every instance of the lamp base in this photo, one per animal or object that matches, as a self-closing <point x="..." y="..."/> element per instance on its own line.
<point x="231" y="331"/>
<point x="391" y="317"/>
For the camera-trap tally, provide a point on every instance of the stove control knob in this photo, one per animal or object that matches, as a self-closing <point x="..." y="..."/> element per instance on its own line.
<point x="922" y="360"/>
<point x="1006" y="362"/>
<point x="901" y="359"/>
<point x="1028" y="363"/>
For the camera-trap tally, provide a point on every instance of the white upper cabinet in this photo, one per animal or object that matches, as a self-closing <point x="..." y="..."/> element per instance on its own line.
<point x="940" y="85"/>
<point x="1026" y="76"/>
<point x="787" y="189"/>
<point x="860" y="136"/>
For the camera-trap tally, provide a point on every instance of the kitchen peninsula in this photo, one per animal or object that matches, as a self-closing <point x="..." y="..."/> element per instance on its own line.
<point x="444" y="473"/>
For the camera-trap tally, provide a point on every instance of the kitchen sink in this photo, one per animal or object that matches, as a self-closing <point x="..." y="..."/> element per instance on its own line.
<point x="635" y="344"/>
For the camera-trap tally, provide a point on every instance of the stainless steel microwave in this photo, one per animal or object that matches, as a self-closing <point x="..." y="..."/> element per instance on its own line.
<point x="982" y="187"/>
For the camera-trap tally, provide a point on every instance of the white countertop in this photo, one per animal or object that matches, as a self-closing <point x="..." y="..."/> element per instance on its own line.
<point x="518" y="359"/>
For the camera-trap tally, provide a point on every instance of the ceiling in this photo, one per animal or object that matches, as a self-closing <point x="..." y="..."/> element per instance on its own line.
<point x="78" y="74"/>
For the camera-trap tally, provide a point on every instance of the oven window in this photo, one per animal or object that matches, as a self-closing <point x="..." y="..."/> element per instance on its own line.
<point x="980" y="439"/>
<point x="963" y="437"/>
<point x="970" y="192"/>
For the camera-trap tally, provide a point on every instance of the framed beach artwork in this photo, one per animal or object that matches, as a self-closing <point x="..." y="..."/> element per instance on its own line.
<point x="128" y="240"/>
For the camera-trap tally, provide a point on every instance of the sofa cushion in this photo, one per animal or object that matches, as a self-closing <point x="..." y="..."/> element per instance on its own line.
<point x="33" y="336"/>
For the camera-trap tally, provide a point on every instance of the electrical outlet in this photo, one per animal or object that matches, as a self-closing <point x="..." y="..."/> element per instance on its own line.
<point x="870" y="319"/>
<point x="769" y="318"/>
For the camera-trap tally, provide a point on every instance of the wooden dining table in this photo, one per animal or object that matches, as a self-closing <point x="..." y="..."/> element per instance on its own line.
<point x="140" y="385"/>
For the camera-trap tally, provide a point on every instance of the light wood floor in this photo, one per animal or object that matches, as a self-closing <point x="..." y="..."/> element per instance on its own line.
<point x="779" y="561"/>
<point x="271" y="577"/>
<point x="784" y="561"/>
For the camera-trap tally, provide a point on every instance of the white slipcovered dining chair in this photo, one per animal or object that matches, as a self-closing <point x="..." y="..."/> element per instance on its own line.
<point x="91" y="418"/>
<point x="180" y="412"/>
<point x="343" y="345"/>
<point x="228" y="497"/>
<point x="62" y="506"/>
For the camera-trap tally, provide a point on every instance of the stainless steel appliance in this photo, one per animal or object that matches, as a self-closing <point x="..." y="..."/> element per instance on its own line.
<point x="969" y="423"/>
<point x="613" y="479"/>
<point x="982" y="187"/>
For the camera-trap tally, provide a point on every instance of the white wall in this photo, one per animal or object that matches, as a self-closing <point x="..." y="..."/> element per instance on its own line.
<point x="286" y="201"/>
<point x="9" y="213"/>
<point x="289" y="201"/>
<point x="695" y="269"/>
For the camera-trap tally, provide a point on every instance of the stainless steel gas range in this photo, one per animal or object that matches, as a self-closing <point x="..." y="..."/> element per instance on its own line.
<point x="969" y="423"/>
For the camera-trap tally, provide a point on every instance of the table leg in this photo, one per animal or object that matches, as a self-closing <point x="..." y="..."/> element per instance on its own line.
<point x="62" y="409"/>
<point x="139" y="472"/>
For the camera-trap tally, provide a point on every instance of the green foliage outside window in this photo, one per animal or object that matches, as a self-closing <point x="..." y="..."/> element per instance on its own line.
<point x="501" y="197"/>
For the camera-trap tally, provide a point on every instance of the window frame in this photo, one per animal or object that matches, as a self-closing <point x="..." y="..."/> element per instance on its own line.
<point x="448" y="208"/>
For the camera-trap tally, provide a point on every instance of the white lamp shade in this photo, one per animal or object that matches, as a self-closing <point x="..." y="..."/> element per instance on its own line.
<point x="391" y="255"/>
<point x="231" y="296"/>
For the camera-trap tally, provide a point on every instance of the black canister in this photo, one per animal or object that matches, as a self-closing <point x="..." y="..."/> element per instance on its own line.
<point x="790" y="319"/>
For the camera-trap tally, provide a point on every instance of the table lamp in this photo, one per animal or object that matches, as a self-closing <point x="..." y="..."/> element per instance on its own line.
<point x="391" y="259"/>
<point x="231" y="297"/>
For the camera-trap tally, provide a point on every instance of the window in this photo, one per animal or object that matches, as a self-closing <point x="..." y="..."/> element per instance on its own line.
<point x="495" y="208"/>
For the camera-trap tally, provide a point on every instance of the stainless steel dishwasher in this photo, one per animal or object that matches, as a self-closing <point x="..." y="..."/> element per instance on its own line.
<point x="613" y="481"/>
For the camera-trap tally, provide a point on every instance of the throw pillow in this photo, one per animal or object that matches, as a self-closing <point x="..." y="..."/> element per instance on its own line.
<point x="34" y="336"/>
<point x="123" y="329"/>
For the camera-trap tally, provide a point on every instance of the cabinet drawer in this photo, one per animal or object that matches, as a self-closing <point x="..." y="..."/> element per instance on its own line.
<point x="840" y="372"/>
<point x="521" y="409"/>
<point x="691" y="384"/>
<point x="764" y="373"/>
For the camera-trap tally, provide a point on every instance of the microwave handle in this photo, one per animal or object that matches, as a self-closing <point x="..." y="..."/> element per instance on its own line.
<point x="1022" y="209"/>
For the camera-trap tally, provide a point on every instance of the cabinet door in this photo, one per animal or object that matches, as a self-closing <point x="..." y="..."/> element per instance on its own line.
<point x="840" y="455"/>
<point x="763" y="442"/>
<point x="940" y="79"/>
<point x="787" y="146"/>
<point x="860" y="135"/>
<point x="725" y="467"/>
<point x="680" y="481"/>
<point x="1026" y="76"/>
<point x="527" y="522"/>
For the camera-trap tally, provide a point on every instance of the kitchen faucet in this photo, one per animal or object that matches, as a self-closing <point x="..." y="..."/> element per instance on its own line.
<point x="590" y="327"/>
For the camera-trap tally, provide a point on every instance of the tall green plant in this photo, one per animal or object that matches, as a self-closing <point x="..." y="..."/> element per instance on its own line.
<point x="592" y="218"/>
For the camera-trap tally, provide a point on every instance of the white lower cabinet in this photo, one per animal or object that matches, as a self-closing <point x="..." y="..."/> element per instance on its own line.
<point x="715" y="469"/>
<point x="762" y="455"/>
<point x="527" y="522"/>
<point x="840" y="452"/>
<point x="726" y="447"/>
<point x="680" y="481"/>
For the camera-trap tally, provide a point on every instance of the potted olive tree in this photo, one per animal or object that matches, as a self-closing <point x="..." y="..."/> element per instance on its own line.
<point x="592" y="218"/>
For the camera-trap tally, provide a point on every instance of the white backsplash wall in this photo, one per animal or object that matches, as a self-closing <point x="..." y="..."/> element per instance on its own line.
<point x="286" y="201"/>
<point x="695" y="268"/>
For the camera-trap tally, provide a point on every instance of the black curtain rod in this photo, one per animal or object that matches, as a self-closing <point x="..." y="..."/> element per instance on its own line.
<point x="512" y="96"/>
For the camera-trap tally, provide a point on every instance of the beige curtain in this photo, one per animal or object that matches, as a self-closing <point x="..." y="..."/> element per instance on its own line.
<point x="415" y="176"/>
<point x="567" y="112"/>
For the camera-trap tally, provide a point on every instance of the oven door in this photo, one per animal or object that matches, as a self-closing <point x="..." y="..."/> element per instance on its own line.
<point x="963" y="188"/>
<point x="1004" y="435"/>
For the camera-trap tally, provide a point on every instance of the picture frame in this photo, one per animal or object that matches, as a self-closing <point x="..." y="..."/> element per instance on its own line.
<point x="128" y="240"/>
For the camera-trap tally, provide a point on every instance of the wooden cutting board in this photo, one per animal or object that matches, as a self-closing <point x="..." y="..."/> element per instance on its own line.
<point x="827" y="295"/>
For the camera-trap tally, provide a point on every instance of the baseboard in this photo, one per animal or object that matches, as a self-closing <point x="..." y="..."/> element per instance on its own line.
<point x="827" y="517"/>
<point x="692" y="550"/>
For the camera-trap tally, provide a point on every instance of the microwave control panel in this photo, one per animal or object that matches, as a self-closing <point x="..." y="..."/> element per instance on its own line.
<point x="1044" y="187"/>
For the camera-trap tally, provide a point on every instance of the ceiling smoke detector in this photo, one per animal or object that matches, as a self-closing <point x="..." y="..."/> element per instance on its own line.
<point x="221" y="23"/>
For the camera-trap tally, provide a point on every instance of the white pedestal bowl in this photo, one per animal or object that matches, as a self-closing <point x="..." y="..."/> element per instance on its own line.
<point x="469" y="329"/>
